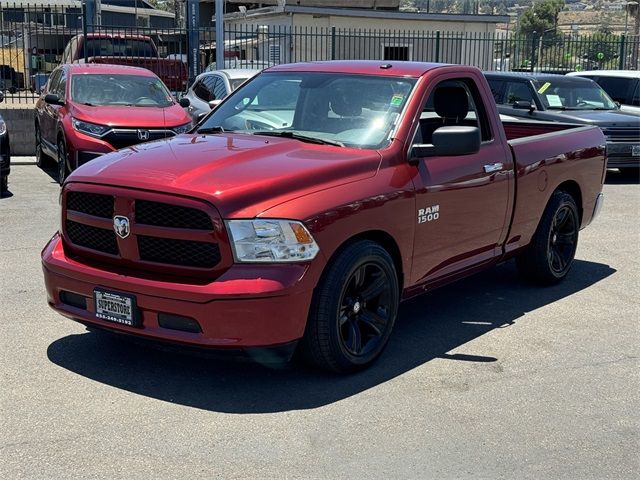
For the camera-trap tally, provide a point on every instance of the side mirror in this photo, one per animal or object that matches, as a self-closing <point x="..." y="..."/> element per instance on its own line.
<point x="184" y="102"/>
<point x="53" y="99"/>
<point x="214" y="103"/>
<point x="449" y="142"/>
<point x="524" y="105"/>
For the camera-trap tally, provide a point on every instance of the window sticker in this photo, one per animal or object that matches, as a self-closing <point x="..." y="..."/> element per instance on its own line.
<point x="544" y="87"/>
<point x="554" y="100"/>
<point x="396" y="100"/>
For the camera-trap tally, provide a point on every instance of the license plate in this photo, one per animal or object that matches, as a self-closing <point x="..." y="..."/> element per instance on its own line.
<point x="635" y="150"/>
<point x="116" y="307"/>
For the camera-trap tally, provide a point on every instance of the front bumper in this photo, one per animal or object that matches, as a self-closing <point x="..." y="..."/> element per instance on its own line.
<point x="248" y="306"/>
<point x="623" y="155"/>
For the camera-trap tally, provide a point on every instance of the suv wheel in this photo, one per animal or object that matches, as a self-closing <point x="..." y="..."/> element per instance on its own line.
<point x="63" y="170"/>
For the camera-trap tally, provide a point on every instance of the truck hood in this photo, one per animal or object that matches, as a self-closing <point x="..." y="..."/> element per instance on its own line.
<point x="604" y="118"/>
<point x="240" y="174"/>
<point x="132" y="117"/>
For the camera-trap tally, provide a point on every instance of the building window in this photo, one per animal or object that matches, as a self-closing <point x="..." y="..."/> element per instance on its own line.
<point x="396" y="52"/>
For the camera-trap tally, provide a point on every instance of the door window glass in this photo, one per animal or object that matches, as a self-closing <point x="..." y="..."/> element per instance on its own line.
<point x="516" y="92"/>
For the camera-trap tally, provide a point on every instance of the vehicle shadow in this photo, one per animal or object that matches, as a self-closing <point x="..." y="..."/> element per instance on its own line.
<point x="428" y="327"/>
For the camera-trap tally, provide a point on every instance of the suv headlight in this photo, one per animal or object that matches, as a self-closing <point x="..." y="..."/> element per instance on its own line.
<point x="183" y="128"/>
<point x="271" y="240"/>
<point x="90" y="128"/>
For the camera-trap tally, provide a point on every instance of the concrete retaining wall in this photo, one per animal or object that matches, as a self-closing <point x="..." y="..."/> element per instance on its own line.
<point x="20" y="125"/>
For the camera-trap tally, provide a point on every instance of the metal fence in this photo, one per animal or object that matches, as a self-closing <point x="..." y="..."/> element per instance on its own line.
<point x="35" y="39"/>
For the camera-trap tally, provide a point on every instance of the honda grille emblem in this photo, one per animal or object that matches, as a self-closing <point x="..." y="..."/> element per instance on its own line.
<point x="143" y="134"/>
<point x="121" y="226"/>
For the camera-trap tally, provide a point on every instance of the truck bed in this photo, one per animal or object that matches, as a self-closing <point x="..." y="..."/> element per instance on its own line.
<point x="574" y="156"/>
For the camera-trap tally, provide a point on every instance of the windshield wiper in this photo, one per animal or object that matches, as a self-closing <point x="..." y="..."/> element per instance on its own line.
<point x="297" y="136"/>
<point x="216" y="129"/>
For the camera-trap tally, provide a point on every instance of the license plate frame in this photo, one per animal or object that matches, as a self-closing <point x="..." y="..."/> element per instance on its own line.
<point x="635" y="150"/>
<point x="116" y="307"/>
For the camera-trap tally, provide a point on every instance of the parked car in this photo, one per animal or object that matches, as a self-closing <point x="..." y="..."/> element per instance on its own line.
<point x="210" y="88"/>
<point x="239" y="64"/>
<point x="623" y="86"/>
<point x="10" y="80"/>
<point x="394" y="178"/>
<point x="5" y="154"/>
<point x="561" y="98"/>
<point x="125" y="49"/>
<point x="88" y="110"/>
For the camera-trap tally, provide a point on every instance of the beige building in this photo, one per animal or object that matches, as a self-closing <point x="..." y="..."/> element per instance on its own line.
<point x="289" y="33"/>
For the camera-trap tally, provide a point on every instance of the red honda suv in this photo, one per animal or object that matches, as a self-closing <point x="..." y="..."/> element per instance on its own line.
<point x="88" y="110"/>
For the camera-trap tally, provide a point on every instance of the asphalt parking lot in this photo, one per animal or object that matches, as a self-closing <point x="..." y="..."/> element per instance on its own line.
<point x="486" y="378"/>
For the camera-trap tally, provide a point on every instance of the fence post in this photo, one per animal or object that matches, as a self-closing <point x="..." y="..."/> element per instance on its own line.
<point x="621" y="55"/>
<point x="333" y="43"/>
<point x="193" y="38"/>
<point x="533" y="50"/>
<point x="438" y="46"/>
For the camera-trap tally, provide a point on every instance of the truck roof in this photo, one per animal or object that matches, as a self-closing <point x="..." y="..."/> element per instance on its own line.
<point x="105" y="68"/>
<point x="391" y="68"/>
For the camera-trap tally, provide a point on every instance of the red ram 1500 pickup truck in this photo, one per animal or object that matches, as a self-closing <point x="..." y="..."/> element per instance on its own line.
<point x="311" y="202"/>
<point x="126" y="49"/>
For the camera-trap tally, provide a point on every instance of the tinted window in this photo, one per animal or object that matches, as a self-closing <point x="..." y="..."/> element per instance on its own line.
<point x="516" y="92"/>
<point x="635" y="100"/>
<point x="219" y="89"/>
<point x="497" y="87"/>
<point x="617" y="88"/>
<point x="54" y="80"/>
<point x="119" y="47"/>
<point x="200" y="90"/>
<point x="571" y="93"/>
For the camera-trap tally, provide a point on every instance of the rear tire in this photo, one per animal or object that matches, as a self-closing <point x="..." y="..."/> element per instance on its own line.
<point x="4" y="185"/>
<point x="353" y="309"/>
<point x="548" y="258"/>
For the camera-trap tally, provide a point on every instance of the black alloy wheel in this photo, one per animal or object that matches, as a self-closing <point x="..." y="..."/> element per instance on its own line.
<point x="563" y="240"/>
<point x="549" y="256"/>
<point x="363" y="314"/>
<point x="353" y="309"/>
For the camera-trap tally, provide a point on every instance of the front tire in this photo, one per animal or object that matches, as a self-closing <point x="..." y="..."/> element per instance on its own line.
<point x="42" y="159"/>
<point x="353" y="309"/>
<point x="4" y="185"/>
<point x="549" y="257"/>
<point x="63" y="169"/>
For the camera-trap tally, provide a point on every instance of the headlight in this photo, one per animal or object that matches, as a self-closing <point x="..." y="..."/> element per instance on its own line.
<point x="183" y="128"/>
<point x="3" y="127"/>
<point x="271" y="241"/>
<point x="90" y="128"/>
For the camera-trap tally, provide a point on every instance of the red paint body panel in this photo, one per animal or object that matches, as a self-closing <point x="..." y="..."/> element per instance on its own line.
<point x="339" y="193"/>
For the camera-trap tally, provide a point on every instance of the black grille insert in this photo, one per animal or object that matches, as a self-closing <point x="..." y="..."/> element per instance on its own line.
<point x="185" y="253"/>
<point x="91" y="203"/>
<point x="94" y="238"/>
<point x="126" y="138"/>
<point x="166" y="215"/>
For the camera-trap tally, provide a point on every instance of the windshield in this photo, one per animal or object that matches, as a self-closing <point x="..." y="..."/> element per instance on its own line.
<point x="569" y="94"/>
<point x="352" y="110"/>
<point x="105" y="89"/>
<point x="119" y="47"/>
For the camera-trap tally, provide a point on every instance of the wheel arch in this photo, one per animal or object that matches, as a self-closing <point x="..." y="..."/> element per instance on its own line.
<point x="386" y="241"/>
<point x="572" y="188"/>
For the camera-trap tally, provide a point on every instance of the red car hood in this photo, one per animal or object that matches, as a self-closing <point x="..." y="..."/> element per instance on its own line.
<point x="242" y="175"/>
<point x="135" y="117"/>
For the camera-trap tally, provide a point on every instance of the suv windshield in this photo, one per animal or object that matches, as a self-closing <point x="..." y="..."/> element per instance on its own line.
<point x="105" y="89"/>
<point x="572" y="94"/>
<point x="353" y="110"/>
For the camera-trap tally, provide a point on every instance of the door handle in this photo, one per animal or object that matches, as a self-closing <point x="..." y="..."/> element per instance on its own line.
<point x="493" y="167"/>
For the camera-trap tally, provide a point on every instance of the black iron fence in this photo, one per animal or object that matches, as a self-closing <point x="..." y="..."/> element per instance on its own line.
<point x="36" y="39"/>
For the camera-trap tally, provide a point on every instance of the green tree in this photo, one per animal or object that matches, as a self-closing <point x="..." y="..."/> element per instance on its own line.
<point x="541" y="17"/>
